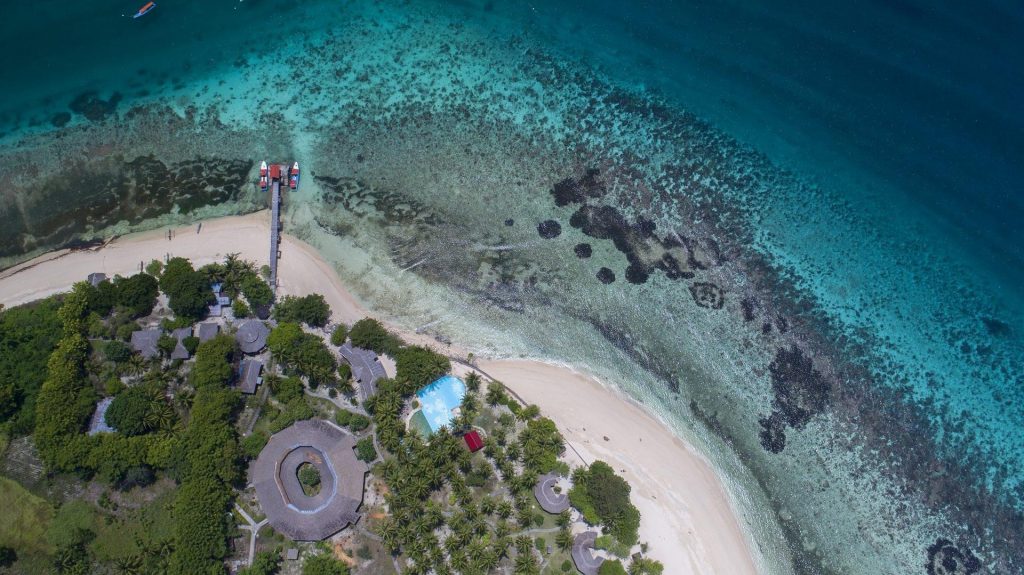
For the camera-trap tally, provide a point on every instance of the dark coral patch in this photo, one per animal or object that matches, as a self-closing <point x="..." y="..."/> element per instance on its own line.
<point x="800" y="390"/>
<point x="995" y="327"/>
<point x="747" y="307"/>
<point x="945" y="558"/>
<point x="549" y="229"/>
<point x="60" y="119"/>
<point x="583" y="251"/>
<point x="90" y="105"/>
<point x="773" y="433"/>
<point x="707" y="295"/>
<point x="606" y="275"/>
<point x="636" y="274"/>
<point x="578" y="190"/>
<point x="636" y="240"/>
<point x="510" y="222"/>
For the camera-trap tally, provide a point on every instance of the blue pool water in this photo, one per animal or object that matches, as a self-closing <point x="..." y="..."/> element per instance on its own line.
<point x="439" y="399"/>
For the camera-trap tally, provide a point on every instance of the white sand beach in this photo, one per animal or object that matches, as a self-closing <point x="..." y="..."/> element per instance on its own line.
<point x="687" y="515"/>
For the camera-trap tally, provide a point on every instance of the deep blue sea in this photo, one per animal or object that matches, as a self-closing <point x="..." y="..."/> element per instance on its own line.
<point x="811" y="213"/>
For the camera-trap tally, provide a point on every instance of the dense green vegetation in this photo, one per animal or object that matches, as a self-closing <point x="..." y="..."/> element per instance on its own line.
<point x="141" y="409"/>
<point x="303" y="352"/>
<point x="188" y="290"/>
<point x="208" y="464"/>
<point x="324" y="565"/>
<point x="448" y="511"/>
<point x="339" y="335"/>
<point x="369" y="333"/>
<point x="264" y="563"/>
<point x="613" y="567"/>
<point x="28" y="334"/>
<point x="603" y="497"/>
<point x="417" y="366"/>
<point x="311" y="310"/>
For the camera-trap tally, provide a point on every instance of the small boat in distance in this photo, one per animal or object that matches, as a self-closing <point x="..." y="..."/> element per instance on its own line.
<point x="293" y="176"/>
<point x="263" y="175"/>
<point x="145" y="10"/>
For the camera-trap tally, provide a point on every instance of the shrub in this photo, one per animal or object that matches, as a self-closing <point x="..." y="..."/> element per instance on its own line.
<point x="116" y="351"/>
<point x="344" y="372"/>
<point x="645" y="566"/>
<point x="417" y="366"/>
<point x="256" y="290"/>
<point x="240" y="309"/>
<point x="542" y="445"/>
<point x="137" y="294"/>
<point x="566" y="566"/>
<point x="286" y="389"/>
<point x="28" y="335"/>
<point x="254" y="444"/>
<point x="130" y="411"/>
<point x="296" y="410"/>
<point x="166" y="344"/>
<point x="368" y="333"/>
<point x="311" y="310"/>
<point x="215" y="362"/>
<point x="358" y="422"/>
<point x="343" y="417"/>
<point x="191" y="344"/>
<point x="539" y="543"/>
<point x="155" y="268"/>
<point x="7" y="556"/>
<point x="339" y="335"/>
<point x="188" y="290"/>
<point x="309" y="475"/>
<point x="365" y="450"/>
<point x="264" y="563"/>
<point x="303" y="352"/>
<point x="324" y="565"/>
<point x="603" y="496"/>
<point x="613" y="567"/>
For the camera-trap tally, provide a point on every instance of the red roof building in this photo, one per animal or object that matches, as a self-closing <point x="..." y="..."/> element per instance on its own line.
<point x="473" y="441"/>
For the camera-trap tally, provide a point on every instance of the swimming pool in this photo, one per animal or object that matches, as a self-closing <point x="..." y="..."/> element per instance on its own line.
<point x="440" y="401"/>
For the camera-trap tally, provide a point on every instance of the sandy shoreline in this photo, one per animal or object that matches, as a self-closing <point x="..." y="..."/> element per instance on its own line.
<point x="687" y="516"/>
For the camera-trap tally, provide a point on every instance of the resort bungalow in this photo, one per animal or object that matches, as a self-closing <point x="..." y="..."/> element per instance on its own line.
<point x="252" y="336"/>
<point x="207" y="331"/>
<point x="179" y="348"/>
<point x="221" y="301"/>
<point x="145" y="341"/>
<point x="366" y="368"/>
<point x="249" y="375"/>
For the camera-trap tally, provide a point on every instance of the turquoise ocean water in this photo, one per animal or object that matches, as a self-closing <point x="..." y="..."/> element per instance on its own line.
<point x="792" y="230"/>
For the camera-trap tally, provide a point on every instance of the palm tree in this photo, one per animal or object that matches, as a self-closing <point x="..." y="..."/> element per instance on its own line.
<point x="564" y="539"/>
<point x="488" y="561"/>
<point x="563" y="520"/>
<point x="526" y="564"/>
<point x="388" y="531"/>
<point x="458" y="561"/>
<point x="131" y="565"/>
<point x="505" y="509"/>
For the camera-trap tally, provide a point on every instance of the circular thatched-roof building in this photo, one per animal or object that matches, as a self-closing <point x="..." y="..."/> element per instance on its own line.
<point x="252" y="336"/>
<point x="275" y="477"/>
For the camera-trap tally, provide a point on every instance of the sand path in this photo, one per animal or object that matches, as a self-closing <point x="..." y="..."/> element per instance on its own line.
<point x="687" y="517"/>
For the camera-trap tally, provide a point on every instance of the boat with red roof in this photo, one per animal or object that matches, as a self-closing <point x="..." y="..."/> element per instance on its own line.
<point x="293" y="176"/>
<point x="264" y="182"/>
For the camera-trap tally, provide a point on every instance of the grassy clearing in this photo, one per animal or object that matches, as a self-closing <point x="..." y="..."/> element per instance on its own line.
<point x="131" y="531"/>
<point x="24" y="520"/>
